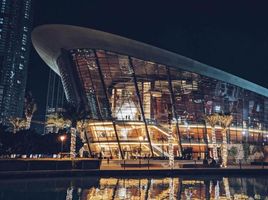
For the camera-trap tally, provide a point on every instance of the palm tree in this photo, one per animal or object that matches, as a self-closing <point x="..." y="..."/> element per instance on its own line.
<point x="74" y="113"/>
<point x="225" y="122"/>
<point x="81" y="127"/>
<point x="58" y="121"/>
<point x="17" y="123"/>
<point x="30" y="108"/>
<point x="170" y="148"/>
<point x="212" y="120"/>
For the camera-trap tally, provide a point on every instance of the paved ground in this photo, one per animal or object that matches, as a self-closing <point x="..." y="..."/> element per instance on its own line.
<point x="162" y="165"/>
<point x="141" y="168"/>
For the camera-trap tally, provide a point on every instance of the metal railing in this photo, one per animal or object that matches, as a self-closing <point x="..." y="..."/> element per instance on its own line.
<point x="150" y="163"/>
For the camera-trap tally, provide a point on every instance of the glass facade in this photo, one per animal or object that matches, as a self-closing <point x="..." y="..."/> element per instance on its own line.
<point x="135" y="104"/>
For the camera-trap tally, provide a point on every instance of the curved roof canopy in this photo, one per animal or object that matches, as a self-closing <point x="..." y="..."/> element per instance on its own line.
<point x="48" y="41"/>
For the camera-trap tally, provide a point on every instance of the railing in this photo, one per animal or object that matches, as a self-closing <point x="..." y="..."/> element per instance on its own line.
<point x="248" y="164"/>
<point x="150" y="163"/>
<point x="48" y="164"/>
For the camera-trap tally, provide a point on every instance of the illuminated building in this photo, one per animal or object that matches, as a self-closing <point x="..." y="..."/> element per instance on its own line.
<point x="15" y="30"/>
<point x="134" y="90"/>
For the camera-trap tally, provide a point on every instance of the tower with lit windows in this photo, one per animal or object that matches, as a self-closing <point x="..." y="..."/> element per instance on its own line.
<point x="15" y="30"/>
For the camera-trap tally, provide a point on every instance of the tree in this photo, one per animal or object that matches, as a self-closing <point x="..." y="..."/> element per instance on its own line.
<point x="82" y="126"/>
<point x="17" y="123"/>
<point x="30" y="142"/>
<point x="225" y="121"/>
<point x="30" y="108"/>
<point x="74" y="113"/>
<point x="212" y="120"/>
<point x="58" y="121"/>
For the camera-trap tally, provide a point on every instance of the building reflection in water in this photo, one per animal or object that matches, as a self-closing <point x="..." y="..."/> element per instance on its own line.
<point x="177" y="188"/>
<point x="91" y="188"/>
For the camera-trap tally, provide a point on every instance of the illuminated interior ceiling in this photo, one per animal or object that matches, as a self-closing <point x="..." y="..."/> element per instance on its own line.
<point x="73" y="37"/>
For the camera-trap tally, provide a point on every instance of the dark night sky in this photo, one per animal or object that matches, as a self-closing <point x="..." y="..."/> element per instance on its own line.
<point x="231" y="37"/>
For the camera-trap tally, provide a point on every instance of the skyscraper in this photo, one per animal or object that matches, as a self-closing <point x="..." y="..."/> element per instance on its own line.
<point x="15" y="30"/>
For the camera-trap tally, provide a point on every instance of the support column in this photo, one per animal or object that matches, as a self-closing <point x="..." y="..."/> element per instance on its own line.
<point x="73" y="143"/>
<point x="88" y="145"/>
<point x="245" y="119"/>
<point x="115" y="189"/>
<point x="170" y="149"/>
<point x="140" y="103"/>
<point x="174" y="113"/>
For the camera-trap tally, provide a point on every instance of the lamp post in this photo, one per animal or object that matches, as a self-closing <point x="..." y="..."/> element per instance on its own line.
<point x="62" y="138"/>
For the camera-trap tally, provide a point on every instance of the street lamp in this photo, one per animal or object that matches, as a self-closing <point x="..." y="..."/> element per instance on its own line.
<point x="62" y="138"/>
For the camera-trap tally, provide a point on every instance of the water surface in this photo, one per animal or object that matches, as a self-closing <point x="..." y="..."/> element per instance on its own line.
<point x="94" y="188"/>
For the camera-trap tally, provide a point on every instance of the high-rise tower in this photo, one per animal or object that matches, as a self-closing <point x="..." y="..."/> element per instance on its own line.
<point x="15" y="30"/>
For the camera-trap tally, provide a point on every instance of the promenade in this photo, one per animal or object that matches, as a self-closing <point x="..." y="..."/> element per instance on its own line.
<point x="134" y="168"/>
<point x="164" y="165"/>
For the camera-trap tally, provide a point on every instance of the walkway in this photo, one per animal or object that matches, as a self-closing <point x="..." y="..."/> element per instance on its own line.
<point x="164" y="165"/>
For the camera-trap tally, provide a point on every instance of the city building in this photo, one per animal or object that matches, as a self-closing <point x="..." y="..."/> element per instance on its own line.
<point x="55" y="99"/>
<point x="15" y="42"/>
<point x="142" y="99"/>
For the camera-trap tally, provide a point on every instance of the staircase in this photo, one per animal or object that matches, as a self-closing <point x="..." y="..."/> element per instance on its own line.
<point x="159" y="151"/>
<point x="160" y="128"/>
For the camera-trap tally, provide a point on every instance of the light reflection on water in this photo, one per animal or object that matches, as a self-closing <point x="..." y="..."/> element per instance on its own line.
<point x="88" y="188"/>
